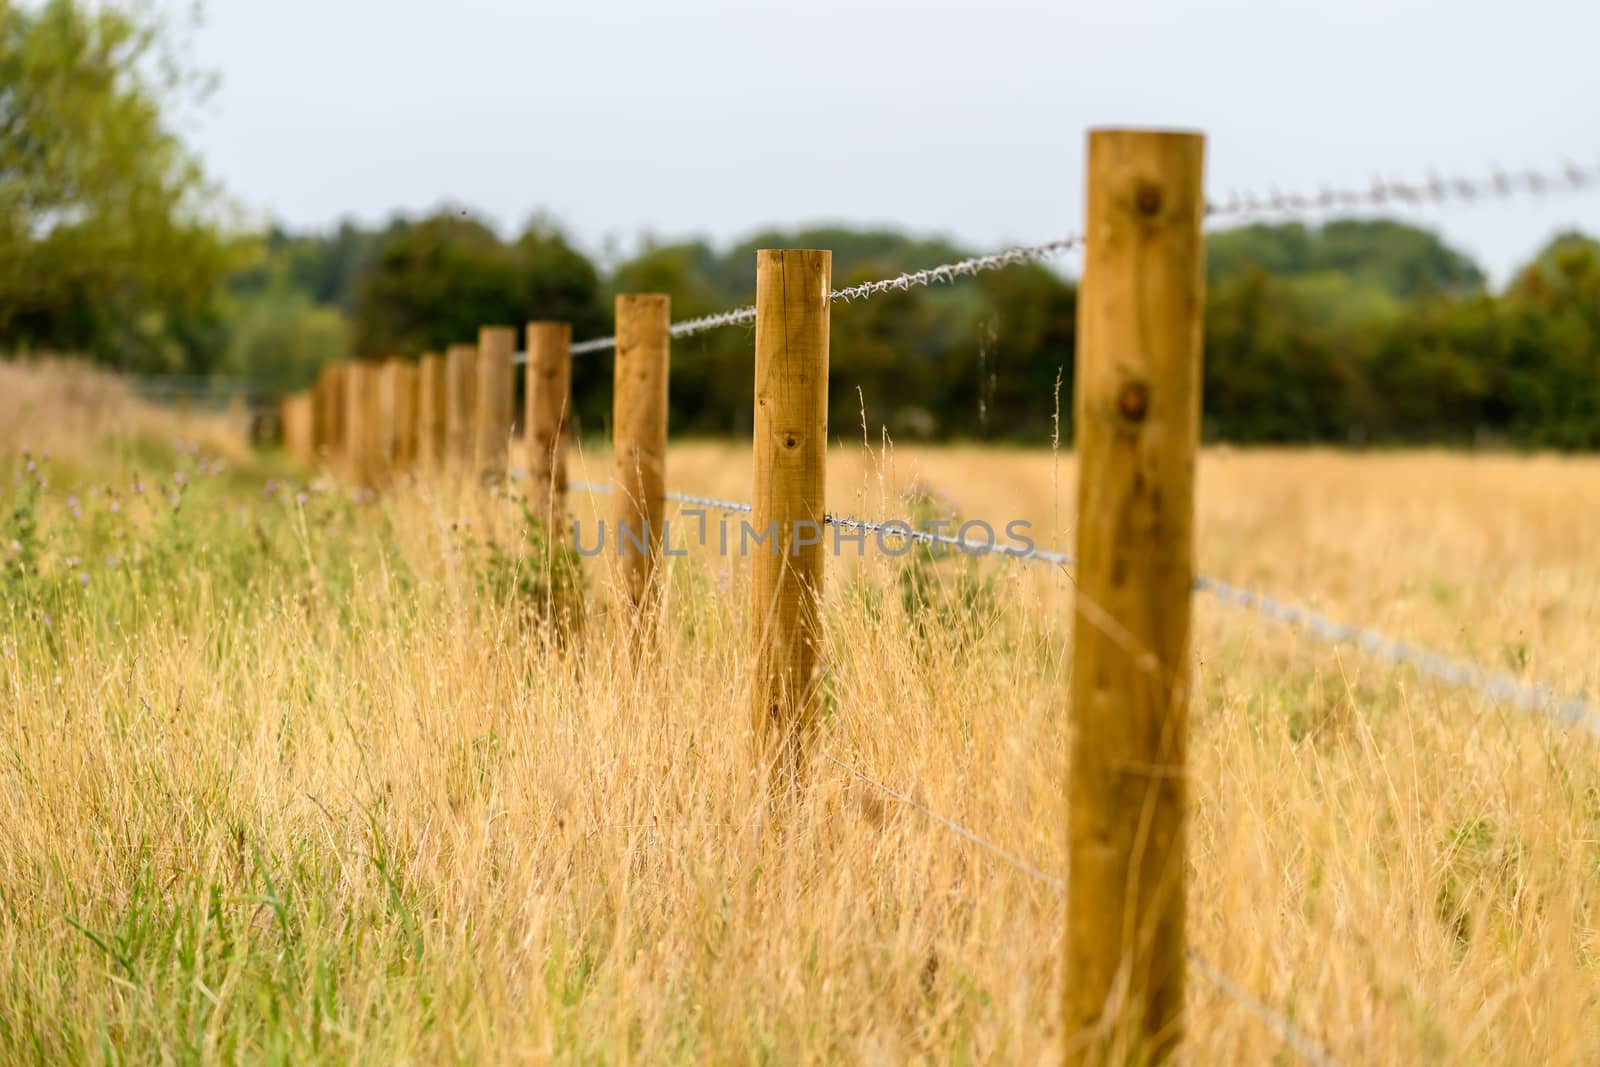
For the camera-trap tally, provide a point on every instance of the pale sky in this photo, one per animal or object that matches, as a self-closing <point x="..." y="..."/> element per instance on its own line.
<point x="718" y="117"/>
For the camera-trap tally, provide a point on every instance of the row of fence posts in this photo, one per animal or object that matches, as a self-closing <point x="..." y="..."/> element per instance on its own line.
<point x="1137" y="406"/>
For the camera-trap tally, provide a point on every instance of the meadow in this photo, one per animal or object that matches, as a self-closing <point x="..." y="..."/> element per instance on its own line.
<point x="294" y="775"/>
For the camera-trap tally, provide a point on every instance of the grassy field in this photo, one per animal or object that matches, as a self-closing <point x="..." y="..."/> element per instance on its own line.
<point x="286" y="777"/>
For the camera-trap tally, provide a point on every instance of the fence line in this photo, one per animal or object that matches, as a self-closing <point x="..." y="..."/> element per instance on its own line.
<point x="1381" y="192"/>
<point x="1458" y="674"/>
<point x="1142" y="292"/>
<point x="1298" y="1040"/>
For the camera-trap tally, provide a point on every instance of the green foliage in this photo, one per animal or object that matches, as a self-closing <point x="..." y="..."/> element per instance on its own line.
<point x="437" y="281"/>
<point x="942" y="590"/>
<point x="1391" y="257"/>
<point x="110" y="241"/>
<point x="541" y="577"/>
<point x="280" y="339"/>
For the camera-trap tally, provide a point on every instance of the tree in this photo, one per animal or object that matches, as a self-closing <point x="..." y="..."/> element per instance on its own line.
<point x="111" y="240"/>
<point x="434" y="283"/>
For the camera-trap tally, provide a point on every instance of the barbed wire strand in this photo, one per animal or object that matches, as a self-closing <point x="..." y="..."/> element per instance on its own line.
<point x="1497" y="183"/>
<point x="944" y="273"/>
<point x="1458" y="674"/>
<point x="1435" y="189"/>
<point x="1280" y="1024"/>
<point x="989" y="846"/>
<point x="1303" y="1044"/>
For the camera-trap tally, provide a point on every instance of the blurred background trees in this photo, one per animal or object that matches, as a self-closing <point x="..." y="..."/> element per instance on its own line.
<point x="114" y="243"/>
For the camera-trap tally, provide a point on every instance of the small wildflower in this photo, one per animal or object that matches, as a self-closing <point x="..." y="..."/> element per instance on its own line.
<point x="32" y="466"/>
<point x="179" y="478"/>
<point x="72" y="501"/>
<point x="138" y="487"/>
<point x="301" y="497"/>
<point x="116" y="508"/>
<point x="83" y="577"/>
<point x="77" y="513"/>
<point x="111" y="561"/>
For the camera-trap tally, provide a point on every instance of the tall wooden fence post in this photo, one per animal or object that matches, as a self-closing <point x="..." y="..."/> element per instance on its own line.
<point x="548" y="404"/>
<point x="639" y="429"/>
<point x="430" y="413"/>
<point x="1138" y="420"/>
<point x="298" y="413"/>
<point x="460" y="405"/>
<point x="546" y="412"/>
<point x="386" y="422"/>
<point x="330" y="411"/>
<point x="404" y="375"/>
<point x="358" y="395"/>
<point x="791" y="438"/>
<point x="496" y="346"/>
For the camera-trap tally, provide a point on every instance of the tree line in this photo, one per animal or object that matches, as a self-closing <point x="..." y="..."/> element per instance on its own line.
<point x="114" y="243"/>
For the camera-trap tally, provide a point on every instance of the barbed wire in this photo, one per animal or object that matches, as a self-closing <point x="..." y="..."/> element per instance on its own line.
<point x="1459" y="674"/>
<point x="1380" y="192"/>
<point x="1435" y="189"/>
<point x="1281" y="1025"/>
<point x="989" y="846"/>
<point x="944" y="273"/>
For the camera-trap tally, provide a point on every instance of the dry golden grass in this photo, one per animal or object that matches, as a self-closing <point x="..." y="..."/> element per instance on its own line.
<point x="300" y="780"/>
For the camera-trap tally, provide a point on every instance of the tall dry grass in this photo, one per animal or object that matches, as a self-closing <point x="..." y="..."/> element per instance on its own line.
<point x="288" y="777"/>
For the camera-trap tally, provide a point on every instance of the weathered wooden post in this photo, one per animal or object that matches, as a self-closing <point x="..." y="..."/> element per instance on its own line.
<point x="330" y="410"/>
<point x="430" y="413"/>
<point x="298" y="414"/>
<point x="403" y="389"/>
<point x="460" y="405"/>
<point x="496" y="346"/>
<point x="546" y="410"/>
<point x="1138" y="420"/>
<point x="791" y="437"/>
<point x="385" y="424"/>
<point x="639" y="431"/>
<point x="359" y="401"/>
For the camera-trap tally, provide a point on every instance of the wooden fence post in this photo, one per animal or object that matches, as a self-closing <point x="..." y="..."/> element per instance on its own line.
<point x="460" y="405"/>
<point x="639" y="432"/>
<point x="547" y="409"/>
<point x="791" y="438"/>
<point x="330" y="410"/>
<point x="299" y="417"/>
<point x="403" y="387"/>
<point x="359" y="394"/>
<point x="430" y="412"/>
<point x="385" y="424"/>
<point x="496" y="346"/>
<point x="1138" y="420"/>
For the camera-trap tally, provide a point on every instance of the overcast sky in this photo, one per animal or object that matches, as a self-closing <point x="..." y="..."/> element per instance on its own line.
<point x="716" y="117"/>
